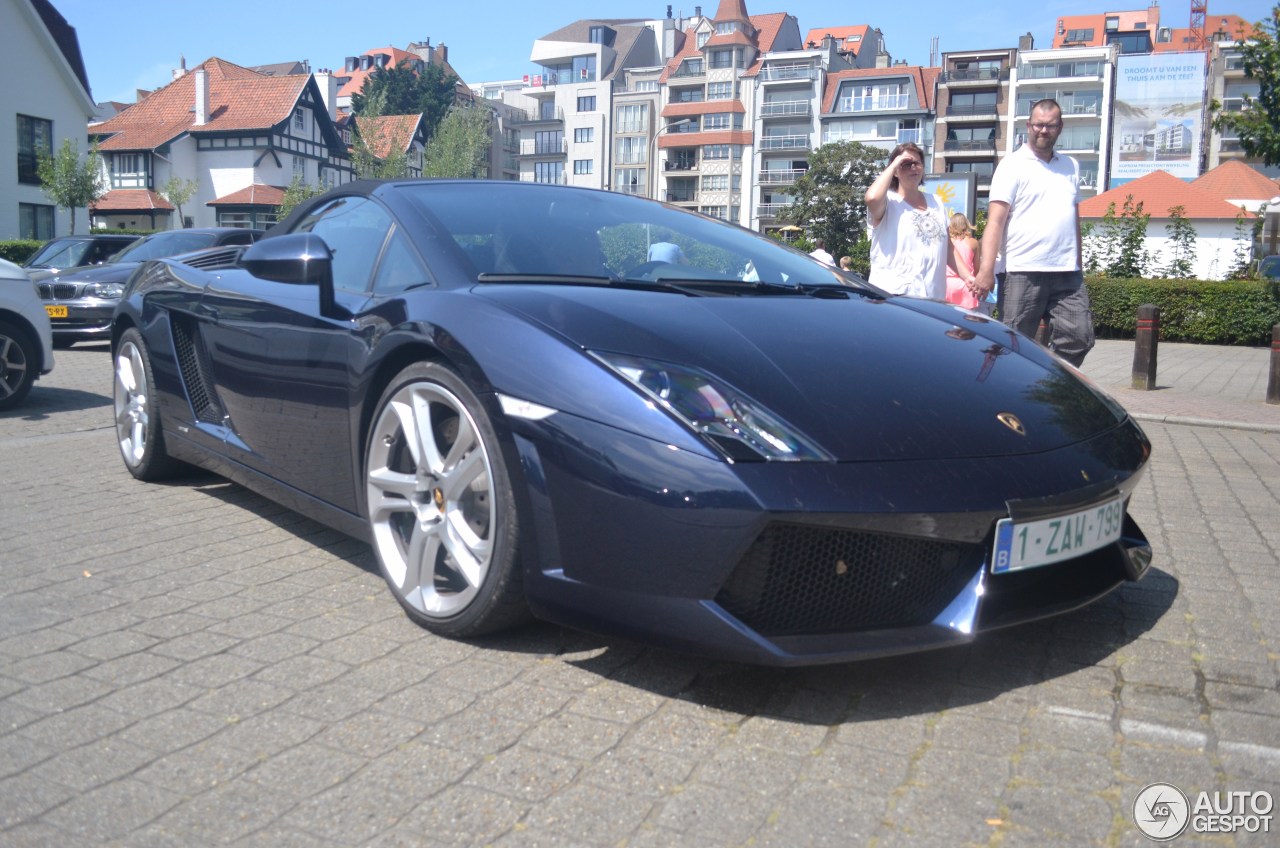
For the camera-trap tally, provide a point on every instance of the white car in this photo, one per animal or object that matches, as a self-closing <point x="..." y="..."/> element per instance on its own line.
<point x="26" y="342"/>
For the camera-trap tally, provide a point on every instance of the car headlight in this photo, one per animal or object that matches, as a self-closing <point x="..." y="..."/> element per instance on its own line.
<point x="739" y="427"/>
<point x="113" y="291"/>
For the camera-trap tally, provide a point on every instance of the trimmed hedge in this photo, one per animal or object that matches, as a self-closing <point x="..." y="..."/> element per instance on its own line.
<point x="18" y="250"/>
<point x="1225" y="312"/>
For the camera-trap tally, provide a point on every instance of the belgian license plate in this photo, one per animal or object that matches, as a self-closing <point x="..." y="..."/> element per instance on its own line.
<point x="1030" y="544"/>
<point x="56" y="311"/>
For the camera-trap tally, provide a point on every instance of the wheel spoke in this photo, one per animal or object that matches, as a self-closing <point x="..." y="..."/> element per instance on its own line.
<point x="126" y="370"/>
<point x="395" y="493"/>
<point x="405" y="414"/>
<point x="423" y="434"/>
<point x="470" y="553"/>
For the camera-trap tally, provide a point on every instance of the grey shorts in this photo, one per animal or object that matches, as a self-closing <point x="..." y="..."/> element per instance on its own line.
<point x="1059" y="297"/>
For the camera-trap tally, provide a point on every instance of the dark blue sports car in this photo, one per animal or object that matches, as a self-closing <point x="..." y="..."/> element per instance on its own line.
<point x="628" y="418"/>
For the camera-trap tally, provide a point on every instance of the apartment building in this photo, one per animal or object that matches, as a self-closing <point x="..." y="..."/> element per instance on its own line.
<point x="1081" y="79"/>
<point x="1229" y="86"/>
<point x="973" y="114"/>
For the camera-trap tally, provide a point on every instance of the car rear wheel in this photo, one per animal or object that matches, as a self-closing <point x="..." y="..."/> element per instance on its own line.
<point x="17" y="364"/>
<point x="138" y="430"/>
<point x="440" y="506"/>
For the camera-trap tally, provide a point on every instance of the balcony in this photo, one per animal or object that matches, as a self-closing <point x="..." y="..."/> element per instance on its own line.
<point x="543" y="148"/>
<point x="975" y="75"/>
<point x="873" y="103"/>
<point x="558" y="179"/>
<point x="636" y="189"/>
<point x="691" y="68"/>
<point x="1059" y="70"/>
<point x="779" y="176"/>
<point x="770" y="210"/>
<point x="987" y="146"/>
<point x="784" y="142"/>
<point x="1089" y="179"/>
<point x="682" y="197"/>
<point x="631" y="127"/>
<point x="539" y="116"/>
<point x="681" y="164"/>
<point x="785" y="108"/>
<point x="973" y="110"/>
<point x="786" y="73"/>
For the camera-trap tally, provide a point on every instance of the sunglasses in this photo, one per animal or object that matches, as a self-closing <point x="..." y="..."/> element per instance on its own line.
<point x="911" y="166"/>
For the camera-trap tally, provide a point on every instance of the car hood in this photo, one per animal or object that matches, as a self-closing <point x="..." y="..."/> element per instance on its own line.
<point x="111" y="272"/>
<point x="866" y="379"/>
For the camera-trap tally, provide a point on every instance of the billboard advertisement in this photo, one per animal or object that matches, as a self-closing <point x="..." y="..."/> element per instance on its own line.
<point x="1159" y="116"/>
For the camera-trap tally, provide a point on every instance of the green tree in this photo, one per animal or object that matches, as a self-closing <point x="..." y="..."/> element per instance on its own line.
<point x="460" y="146"/>
<point x="403" y="91"/>
<point x="69" y="181"/>
<point x="1182" y="238"/>
<point x="1242" y="256"/>
<point x="1257" y="124"/>
<point x="178" y="191"/>
<point x="828" y="198"/>
<point x="1117" y="246"/>
<point x="296" y="193"/>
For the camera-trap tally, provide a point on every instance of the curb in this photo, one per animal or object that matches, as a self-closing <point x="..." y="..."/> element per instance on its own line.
<point x="1204" y="422"/>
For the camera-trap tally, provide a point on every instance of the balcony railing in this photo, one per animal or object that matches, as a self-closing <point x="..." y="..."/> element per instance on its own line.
<point x="682" y="197"/>
<point x="971" y="110"/>
<point x="969" y="146"/>
<point x="784" y="142"/>
<point x="624" y="127"/>
<point x="913" y="136"/>
<point x="681" y="165"/>
<point x="1060" y="70"/>
<point x="873" y="103"/>
<point x="632" y="189"/>
<point x="775" y="73"/>
<point x="770" y="210"/>
<point x="787" y="108"/>
<point x="559" y="179"/>
<point x="1089" y="179"/>
<point x="543" y="148"/>
<point x="779" y="176"/>
<point x="535" y="116"/>
<point x="691" y="69"/>
<point x="975" y="75"/>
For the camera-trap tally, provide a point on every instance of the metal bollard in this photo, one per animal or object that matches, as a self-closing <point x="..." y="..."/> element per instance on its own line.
<point x="1273" y="383"/>
<point x="1144" y="347"/>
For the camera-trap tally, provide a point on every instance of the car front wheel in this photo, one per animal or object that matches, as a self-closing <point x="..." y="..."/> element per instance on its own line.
<point x="138" y="430"/>
<point x="440" y="505"/>
<point x="17" y="365"/>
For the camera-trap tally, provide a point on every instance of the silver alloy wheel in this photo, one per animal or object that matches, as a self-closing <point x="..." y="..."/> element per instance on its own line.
<point x="132" y="404"/>
<point x="430" y="494"/>
<point x="14" y="366"/>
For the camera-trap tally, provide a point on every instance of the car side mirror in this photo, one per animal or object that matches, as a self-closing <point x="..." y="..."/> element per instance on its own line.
<point x="298" y="259"/>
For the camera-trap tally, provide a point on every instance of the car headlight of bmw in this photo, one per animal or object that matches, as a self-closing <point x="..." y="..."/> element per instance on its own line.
<point x="736" y="425"/>
<point x="109" y="291"/>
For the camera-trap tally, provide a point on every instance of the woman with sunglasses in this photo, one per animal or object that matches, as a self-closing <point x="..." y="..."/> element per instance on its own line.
<point x="910" y="248"/>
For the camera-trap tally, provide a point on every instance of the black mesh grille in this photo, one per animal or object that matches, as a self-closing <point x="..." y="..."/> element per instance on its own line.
<point x="194" y="370"/>
<point x="213" y="258"/>
<point x="58" y="291"/>
<point x="797" y="580"/>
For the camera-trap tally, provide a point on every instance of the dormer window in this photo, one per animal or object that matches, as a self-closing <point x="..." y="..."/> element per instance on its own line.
<point x="702" y="38"/>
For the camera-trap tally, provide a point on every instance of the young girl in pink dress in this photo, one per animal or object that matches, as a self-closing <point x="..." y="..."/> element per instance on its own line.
<point x="964" y="249"/>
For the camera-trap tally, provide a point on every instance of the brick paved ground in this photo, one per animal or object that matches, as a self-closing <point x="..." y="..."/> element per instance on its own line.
<point x="190" y="664"/>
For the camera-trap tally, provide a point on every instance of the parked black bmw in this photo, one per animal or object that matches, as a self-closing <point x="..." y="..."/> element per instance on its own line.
<point x="493" y="385"/>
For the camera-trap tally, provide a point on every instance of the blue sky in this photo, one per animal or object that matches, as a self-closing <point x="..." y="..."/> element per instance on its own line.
<point x="131" y="44"/>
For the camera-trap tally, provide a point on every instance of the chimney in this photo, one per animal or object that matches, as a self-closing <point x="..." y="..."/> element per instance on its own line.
<point x="181" y="70"/>
<point x="441" y="53"/>
<point x="202" y="97"/>
<point x="328" y="86"/>
<point x="1027" y="42"/>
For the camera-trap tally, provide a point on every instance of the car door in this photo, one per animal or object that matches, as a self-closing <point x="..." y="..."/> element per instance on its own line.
<point x="284" y="372"/>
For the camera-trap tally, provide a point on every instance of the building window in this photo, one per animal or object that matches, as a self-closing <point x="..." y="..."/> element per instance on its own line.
<point x="1073" y="35"/>
<point x="720" y="91"/>
<point x="596" y="35"/>
<point x="584" y="135"/>
<point x="583" y="166"/>
<point x="702" y="38"/>
<point x="632" y="150"/>
<point x="548" y="172"/>
<point x="587" y="104"/>
<point x="715" y="182"/>
<point x="629" y="180"/>
<point x="548" y="141"/>
<point x="300" y="169"/>
<point x="717" y="151"/>
<point x="35" y="221"/>
<point x="721" y="212"/>
<point x="632" y="119"/>
<point x="299" y="119"/>
<point x="723" y="121"/>
<point x="721" y="59"/>
<point x="35" y="135"/>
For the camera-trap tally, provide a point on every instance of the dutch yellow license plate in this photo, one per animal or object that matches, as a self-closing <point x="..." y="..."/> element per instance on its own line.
<point x="56" y="311"/>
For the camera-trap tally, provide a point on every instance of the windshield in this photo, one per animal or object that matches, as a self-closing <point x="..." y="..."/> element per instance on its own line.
<point x="161" y="245"/>
<point x="504" y="231"/>
<point x="59" y="253"/>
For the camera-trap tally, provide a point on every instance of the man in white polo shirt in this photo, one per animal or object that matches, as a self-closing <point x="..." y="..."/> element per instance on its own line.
<point x="1033" y="214"/>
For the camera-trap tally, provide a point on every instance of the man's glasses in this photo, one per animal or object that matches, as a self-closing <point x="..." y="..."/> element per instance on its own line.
<point x="1046" y="127"/>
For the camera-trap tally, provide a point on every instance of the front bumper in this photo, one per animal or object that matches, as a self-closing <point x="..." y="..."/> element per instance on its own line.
<point x="804" y="563"/>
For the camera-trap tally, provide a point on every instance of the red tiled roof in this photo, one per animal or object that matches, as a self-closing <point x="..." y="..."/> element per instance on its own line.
<point x="355" y="79"/>
<point x="731" y="10"/>
<point x="1158" y="192"/>
<point x="389" y="133"/>
<point x="767" y="29"/>
<point x="922" y="78"/>
<point x="841" y="34"/>
<point x="691" y="50"/>
<point x="131" y="200"/>
<point x="1236" y="180"/>
<point x="239" y="99"/>
<point x="254" y="195"/>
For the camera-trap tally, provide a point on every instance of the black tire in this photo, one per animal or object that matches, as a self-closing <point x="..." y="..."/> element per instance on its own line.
<point x="440" y="506"/>
<point x="18" y="358"/>
<point x="139" y="431"/>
